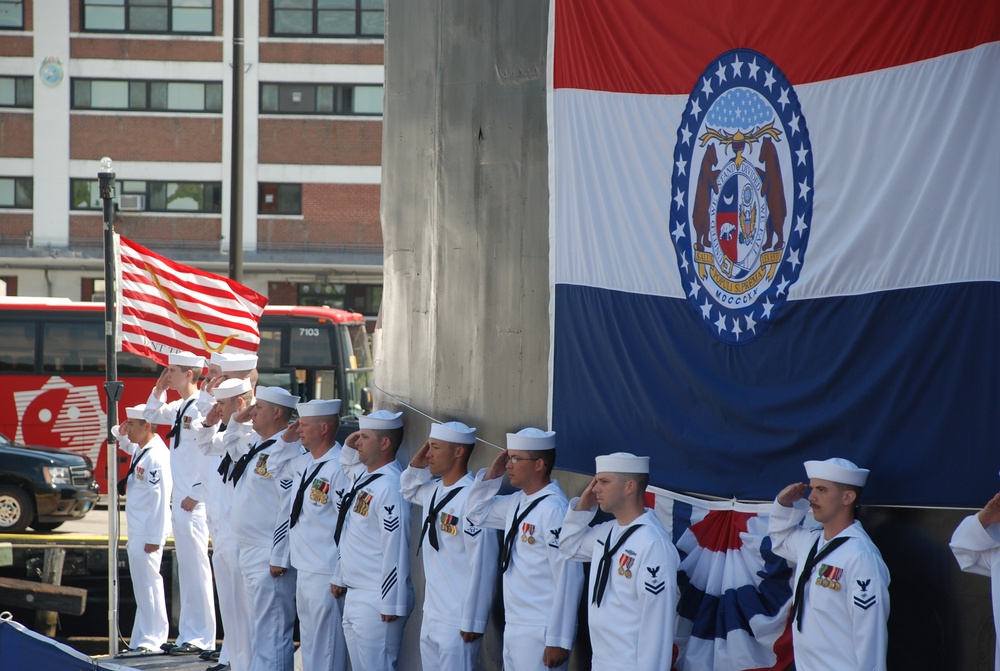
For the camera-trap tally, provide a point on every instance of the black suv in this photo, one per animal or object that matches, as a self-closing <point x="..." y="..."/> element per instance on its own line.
<point x="42" y="487"/>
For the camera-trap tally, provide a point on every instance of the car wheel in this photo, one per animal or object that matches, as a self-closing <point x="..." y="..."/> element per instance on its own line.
<point x="16" y="509"/>
<point x="45" y="526"/>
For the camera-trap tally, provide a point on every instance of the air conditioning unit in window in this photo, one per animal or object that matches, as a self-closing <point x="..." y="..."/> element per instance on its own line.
<point x="129" y="202"/>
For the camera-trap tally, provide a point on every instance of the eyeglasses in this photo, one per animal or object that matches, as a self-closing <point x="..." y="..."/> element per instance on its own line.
<point x="513" y="460"/>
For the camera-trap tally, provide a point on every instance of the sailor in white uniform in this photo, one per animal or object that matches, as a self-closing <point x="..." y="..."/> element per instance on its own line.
<point x="212" y="435"/>
<point x="841" y="602"/>
<point x="196" y="625"/>
<point x="541" y="591"/>
<point x="319" y="483"/>
<point x="147" y="511"/>
<point x="459" y="558"/>
<point x="633" y="571"/>
<point x="373" y="530"/>
<point x="263" y="477"/>
<point x="976" y="545"/>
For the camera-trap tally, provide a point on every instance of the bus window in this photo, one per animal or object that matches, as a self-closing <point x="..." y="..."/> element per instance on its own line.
<point x="18" y="353"/>
<point x="269" y="352"/>
<point x="358" y="374"/>
<point x="73" y="348"/>
<point x="129" y="363"/>
<point x="310" y="346"/>
<point x="281" y="379"/>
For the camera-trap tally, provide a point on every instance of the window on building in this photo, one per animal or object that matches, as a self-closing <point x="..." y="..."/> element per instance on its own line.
<point x="146" y="96"/>
<point x="328" y="18"/>
<point x="149" y="196"/>
<point x="148" y="16"/>
<point x="320" y="99"/>
<point x="12" y="14"/>
<point x="16" y="192"/>
<point x="16" y="91"/>
<point x="279" y="199"/>
<point x="8" y="287"/>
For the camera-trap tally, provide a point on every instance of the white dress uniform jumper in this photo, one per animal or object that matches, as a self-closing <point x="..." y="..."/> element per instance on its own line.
<point x="541" y="591"/>
<point x="263" y="478"/>
<point x="147" y="511"/>
<point x="197" y="619"/>
<point x="319" y="484"/>
<point x="460" y="561"/>
<point x="632" y="599"/>
<point x="374" y="563"/>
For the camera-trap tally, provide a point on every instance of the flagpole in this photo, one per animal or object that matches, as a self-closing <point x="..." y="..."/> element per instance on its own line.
<point x="113" y="390"/>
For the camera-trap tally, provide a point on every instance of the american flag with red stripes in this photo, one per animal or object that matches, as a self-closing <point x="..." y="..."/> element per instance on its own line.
<point x="169" y="307"/>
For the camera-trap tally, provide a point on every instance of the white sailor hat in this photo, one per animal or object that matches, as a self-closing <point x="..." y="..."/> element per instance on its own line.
<point x="454" y="432"/>
<point x="216" y="358"/>
<point x="532" y="439"/>
<point x="622" y="462"/>
<point x="237" y="362"/>
<point x="381" y="420"/>
<point x="278" y="396"/>
<point x="837" y="470"/>
<point x="135" y="412"/>
<point x="186" y="359"/>
<point x="319" y="408"/>
<point x="230" y="388"/>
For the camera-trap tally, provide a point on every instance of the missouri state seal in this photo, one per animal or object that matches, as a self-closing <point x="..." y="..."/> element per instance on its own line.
<point x="742" y="189"/>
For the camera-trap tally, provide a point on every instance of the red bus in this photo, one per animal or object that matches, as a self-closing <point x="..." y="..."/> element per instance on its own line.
<point x="52" y="369"/>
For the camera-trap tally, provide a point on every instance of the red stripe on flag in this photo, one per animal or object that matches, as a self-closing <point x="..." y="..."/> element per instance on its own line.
<point x="654" y="47"/>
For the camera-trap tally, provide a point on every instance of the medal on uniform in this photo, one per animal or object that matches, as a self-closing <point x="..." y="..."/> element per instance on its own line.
<point x="261" y="467"/>
<point x="448" y="524"/>
<point x="829" y="576"/>
<point x="625" y="563"/>
<point x="363" y="503"/>
<point x="319" y="491"/>
<point x="528" y="533"/>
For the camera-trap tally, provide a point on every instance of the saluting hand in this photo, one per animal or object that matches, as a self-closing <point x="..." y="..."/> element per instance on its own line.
<point x="352" y="440"/>
<point x="498" y="467"/>
<point x="990" y="514"/>
<point x="291" y="434"/>
<point x="214" y="416"/>
<point x="792" y="493"/>
<point x="420" y="458"/>
<point x="161" y="383"/>
<point x="587" y="500"/>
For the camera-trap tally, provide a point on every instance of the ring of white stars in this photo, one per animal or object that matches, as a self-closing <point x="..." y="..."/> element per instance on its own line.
<point x="743" y="107"/>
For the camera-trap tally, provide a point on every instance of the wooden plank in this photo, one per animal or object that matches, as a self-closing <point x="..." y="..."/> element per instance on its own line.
<point x="29" y="594"/>
<point x="46" y="621"/>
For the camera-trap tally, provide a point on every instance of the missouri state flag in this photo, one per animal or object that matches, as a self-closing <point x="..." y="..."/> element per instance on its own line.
<point x="774" y="237"/>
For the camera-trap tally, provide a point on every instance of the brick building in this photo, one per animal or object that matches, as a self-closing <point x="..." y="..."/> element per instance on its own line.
<point x="149" y="83"/>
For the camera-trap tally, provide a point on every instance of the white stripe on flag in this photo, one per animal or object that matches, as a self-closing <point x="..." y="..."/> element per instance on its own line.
<point x="900" y="195"/>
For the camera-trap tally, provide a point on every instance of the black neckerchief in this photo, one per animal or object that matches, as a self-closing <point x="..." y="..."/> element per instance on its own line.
<point x="244" y="461"/>
<point x="811" y="560"/>
<point x="604" y="566"/>
<point x="430" y="525"/>
<point x="508" y="542"/>
<point x="300" y="494"/>
<point x="345" y="503"/>
<point x="123" y="483"/>
<point x="175" y="432"/>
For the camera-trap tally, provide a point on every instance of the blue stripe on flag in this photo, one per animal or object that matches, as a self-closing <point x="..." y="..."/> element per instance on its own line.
<point x="894" y="381"/>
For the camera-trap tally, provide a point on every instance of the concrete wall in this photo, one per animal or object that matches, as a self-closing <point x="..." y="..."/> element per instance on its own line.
<point x="465" y="210"/>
